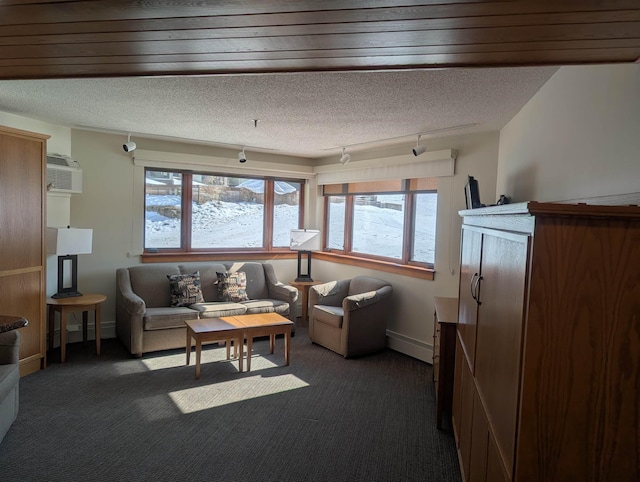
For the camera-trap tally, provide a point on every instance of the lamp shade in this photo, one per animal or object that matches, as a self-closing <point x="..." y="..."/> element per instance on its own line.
<point x="305" y="240"/>
<point x="64" y="241"/>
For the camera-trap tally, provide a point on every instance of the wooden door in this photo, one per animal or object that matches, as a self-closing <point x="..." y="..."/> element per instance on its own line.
<point x="499" y="334"/>
<point x="22" y="221"/>
<point x="469" y="278"/>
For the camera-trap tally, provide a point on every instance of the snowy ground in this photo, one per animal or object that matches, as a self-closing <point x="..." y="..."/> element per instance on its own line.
<point x="218" y="224"/>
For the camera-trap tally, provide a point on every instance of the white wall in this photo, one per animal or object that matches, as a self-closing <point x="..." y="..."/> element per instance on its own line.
<point x="578" y="137"/>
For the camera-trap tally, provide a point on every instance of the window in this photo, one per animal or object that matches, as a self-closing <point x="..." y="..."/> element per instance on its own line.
<point x="187" y="211"/>
<point x="390" y="221"/>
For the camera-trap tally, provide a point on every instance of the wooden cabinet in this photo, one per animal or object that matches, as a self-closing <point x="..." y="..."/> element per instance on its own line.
<point x="22" y="225"/>
<point x="548" y="343"/>
<point x="444" y="351"/>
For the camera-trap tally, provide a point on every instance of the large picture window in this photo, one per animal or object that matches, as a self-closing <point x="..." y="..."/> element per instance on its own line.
<point x="390" y="221"/>
<point x="187" y="211"/>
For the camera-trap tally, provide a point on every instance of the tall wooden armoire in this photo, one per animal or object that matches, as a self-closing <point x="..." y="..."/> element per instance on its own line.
<point x="547" y="377"/>
<point x="22" y="239"/>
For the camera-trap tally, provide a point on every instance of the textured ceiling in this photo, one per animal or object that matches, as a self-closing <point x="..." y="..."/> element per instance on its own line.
<point x="301" y="114"/>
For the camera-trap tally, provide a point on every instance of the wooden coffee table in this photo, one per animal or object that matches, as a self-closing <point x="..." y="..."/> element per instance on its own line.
<point x="213" y="329"/>
<point x="263" y="324"/>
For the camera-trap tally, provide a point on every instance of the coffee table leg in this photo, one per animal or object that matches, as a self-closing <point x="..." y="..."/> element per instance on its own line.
<point x="237" y="342"/>
<point x="198" y="353"/>
<point x="249" y="350"/>
<point x="272" y="342"/>
<point x="287" y="345"/>
<point x="188" y="344"/>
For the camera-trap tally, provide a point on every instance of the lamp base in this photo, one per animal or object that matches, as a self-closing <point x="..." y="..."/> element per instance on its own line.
<point x="304" y="278"/>
<point x="68" y="294"/>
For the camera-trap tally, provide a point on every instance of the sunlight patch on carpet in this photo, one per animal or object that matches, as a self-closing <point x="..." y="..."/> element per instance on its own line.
<point x="233" y="391"/>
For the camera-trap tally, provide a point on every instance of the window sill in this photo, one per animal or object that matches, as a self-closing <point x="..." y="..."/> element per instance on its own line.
<point x="401" y="269"/>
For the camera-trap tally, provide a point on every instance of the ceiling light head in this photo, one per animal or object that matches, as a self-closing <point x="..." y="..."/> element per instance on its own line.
<point x="129" y="146"/>
<point x="419" y="149"/>
<point x="241" y="157"/>
<point x="345" y="157"/>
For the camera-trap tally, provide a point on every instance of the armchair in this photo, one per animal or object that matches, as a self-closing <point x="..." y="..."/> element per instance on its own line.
<point x="350" y="316"/>
<point x="9" y="379"/>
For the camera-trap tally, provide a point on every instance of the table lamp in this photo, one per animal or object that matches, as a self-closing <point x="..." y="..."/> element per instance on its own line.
<point x="68" y="243"/>
<point x="304" y="241"/>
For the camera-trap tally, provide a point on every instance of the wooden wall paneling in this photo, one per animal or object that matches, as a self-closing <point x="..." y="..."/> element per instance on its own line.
<point x="82" y="38"/>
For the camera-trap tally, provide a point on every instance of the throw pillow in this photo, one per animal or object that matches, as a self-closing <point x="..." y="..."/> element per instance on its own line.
<point x="184" y="289"/>
<point x="232" y="286"/>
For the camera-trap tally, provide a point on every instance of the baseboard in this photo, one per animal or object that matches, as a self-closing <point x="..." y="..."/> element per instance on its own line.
<point x="410" y="346"/>
<point x="74" y="332"/>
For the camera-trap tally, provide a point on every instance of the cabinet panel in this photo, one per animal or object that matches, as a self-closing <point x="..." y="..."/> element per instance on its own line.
<point x="465" y="425"/>
<point x="479" y="443"/>
<point x="468" y="307"/>
<point x="499" y="334"/>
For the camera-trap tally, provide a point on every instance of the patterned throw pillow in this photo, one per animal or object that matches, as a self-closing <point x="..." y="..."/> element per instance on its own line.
<point x="232" y="286"/>
<point x="184" y="289"/>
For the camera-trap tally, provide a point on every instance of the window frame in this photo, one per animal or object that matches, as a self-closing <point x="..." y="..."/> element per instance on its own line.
<point x="410" y="188"/>
<point x="185" y="249"/>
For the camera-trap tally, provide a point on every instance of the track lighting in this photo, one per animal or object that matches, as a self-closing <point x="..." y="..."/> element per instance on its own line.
<point x="241" y="157"/>
<point x="419" y="149"/>
<point x="345" y="157"/>
<point x="129" y="146"/>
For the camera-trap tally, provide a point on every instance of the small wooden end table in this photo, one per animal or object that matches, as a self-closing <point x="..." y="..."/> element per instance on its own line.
<point x="303" y="287"/>
<point x="64" y="306"/>
<point x="213" y="329"/>
<point x="263" y="324"/>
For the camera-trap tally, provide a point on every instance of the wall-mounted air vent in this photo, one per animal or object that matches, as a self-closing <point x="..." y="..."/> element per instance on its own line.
<point x="63" y="174"/>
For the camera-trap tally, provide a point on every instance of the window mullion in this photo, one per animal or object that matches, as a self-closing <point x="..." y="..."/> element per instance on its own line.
<point x="409" y="226"/>
<point x="269" y="196"/>
<point x="348" y="224"/>
<point x="187" y="211"/>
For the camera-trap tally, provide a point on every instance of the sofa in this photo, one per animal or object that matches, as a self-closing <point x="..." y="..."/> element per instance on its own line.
<point x="350" y="316"/>
<point x="9" y="379"/>
<point x="148" y="318"/>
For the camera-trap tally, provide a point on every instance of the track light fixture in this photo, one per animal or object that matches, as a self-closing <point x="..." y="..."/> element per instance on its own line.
<point x="129" y="146"/>
<point x="345" y="157"/>
<point x="419" y="149"/>
<point x="241" y="157"/>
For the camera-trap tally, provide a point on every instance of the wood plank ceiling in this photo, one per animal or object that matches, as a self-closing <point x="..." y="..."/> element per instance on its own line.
<point x="57" y="39"/>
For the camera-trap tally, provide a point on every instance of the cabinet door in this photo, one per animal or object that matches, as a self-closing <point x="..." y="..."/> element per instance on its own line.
<point x="22" y="217"/>
<point x="499" y="333"/>
<point x="469" y="275"/>
<point x="463" y="410"/>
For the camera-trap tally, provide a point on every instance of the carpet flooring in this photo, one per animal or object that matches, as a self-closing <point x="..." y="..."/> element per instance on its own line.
<point x="323" y="418"/>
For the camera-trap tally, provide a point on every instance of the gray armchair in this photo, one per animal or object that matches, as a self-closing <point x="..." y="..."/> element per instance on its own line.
<point x="9" y="379"/>
<point x="350" y="316"/>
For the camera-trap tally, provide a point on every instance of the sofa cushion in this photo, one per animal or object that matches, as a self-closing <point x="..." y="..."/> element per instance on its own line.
<point x="150" y="283"/>
<point x="217" y="309"/>
<point x="331" y="315"/>
<point x="232" y="286"/>
<point x="163" y="318"/>
<point x="257" y="288"/>
<point x="266" y="306"/>
<point x="184" y="289"/>
<point x="208" y="277"/>
<point x="9" y="378"/>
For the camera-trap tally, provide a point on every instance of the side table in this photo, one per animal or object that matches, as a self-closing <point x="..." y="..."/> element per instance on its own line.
<point x="444" y="353"/>
<point x="303" y="287"/>
<point x="64" y="306"/>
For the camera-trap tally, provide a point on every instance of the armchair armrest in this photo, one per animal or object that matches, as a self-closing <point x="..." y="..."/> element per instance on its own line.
<point x="127" y="299"/>
<point x="355" y="302"/>
<point x="331" y="293"/>
<point x="9" y="347"/>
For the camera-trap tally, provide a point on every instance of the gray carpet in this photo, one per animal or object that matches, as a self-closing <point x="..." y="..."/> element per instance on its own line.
<point x="323" y="418"/>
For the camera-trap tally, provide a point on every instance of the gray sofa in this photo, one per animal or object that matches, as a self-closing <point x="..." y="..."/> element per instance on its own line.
<point x="146" y="321"/>
<point x="9" y="379"/>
